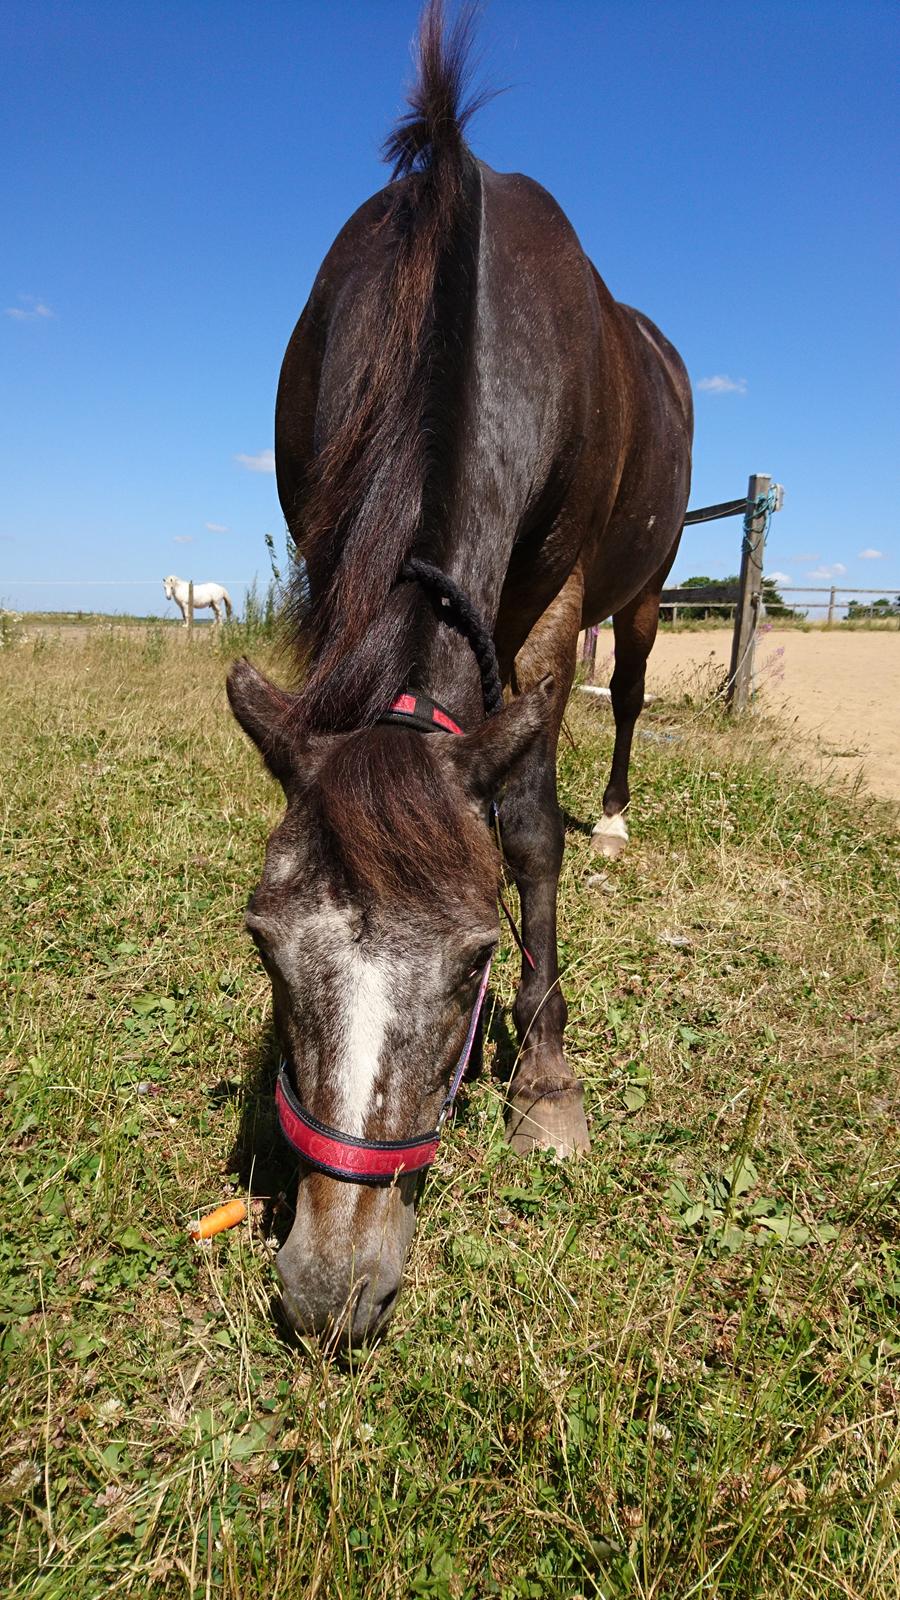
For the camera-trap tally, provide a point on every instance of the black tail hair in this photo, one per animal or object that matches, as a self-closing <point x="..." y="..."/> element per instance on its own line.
<point x="433" y="127"/>
<point x="377" y="481"/>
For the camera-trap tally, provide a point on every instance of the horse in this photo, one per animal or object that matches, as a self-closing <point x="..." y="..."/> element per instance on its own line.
<point x="478" y="452"/>
<point x="205" y="594"/>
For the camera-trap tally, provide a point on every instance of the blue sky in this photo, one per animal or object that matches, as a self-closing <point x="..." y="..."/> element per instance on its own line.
<point x="174" y="173"/>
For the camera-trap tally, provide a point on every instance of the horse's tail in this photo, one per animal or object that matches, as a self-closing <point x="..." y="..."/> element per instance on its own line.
<point x="379" y="484"/>
<point x="430" y="136"/>
<point x="226" y="599"/>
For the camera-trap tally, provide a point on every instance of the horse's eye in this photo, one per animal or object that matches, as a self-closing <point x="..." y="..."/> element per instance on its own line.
<point x="481" y="959"/>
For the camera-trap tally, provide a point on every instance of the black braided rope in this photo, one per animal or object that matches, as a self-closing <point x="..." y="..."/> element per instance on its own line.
<point x="455" y="608"/>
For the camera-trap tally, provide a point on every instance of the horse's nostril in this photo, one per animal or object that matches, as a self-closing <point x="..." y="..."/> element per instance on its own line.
<point x="384" y="1307"/>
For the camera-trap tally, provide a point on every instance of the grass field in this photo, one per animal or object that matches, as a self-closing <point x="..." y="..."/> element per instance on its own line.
<point x="669" y="1370"/>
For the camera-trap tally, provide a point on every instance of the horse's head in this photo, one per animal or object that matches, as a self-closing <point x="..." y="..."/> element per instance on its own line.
<point x="374" y="917"/>
<point x="169" y="586"/>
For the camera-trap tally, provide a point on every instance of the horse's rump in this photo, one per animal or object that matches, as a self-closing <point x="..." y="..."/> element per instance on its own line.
<point x="462" y="386"/>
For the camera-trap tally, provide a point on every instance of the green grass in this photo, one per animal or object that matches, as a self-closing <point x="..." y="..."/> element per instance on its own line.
<point x="96" y="619"/>
<point x="668" y="1370"/>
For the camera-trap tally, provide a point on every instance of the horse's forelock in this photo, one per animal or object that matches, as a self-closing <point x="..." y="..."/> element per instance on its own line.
<point x="396" y="826"/>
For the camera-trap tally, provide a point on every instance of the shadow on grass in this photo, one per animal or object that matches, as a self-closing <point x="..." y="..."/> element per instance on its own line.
<point x="265" y="1166"/>
<point x="506" y="1046"/>
<point x="575" y="825"/>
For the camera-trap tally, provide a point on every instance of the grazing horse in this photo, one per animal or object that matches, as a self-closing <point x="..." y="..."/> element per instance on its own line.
<point x="205" y="594"/>
<point x="478" y="450"/>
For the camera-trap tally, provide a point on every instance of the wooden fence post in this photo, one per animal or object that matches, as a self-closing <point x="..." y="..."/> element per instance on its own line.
<point x="740" y="675"/>
<point x="191" y="608"/>
<point x="831" y="606"/>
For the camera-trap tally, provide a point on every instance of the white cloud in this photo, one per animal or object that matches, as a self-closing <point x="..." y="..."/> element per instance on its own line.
<point x="722" y="384"/>
<point x="871" y="555"/>
<point x="805" y="557"/>
<point x="837" y="570"/>
<point x="263" y="461"/>
<point x="30" y="309"/>
<point x="778" y="577"/>
<point x="184" y="538"/>
<point x="216" y="527"/>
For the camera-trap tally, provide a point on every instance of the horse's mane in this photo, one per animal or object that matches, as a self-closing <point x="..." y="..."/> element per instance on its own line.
<point x="379" y="485"/>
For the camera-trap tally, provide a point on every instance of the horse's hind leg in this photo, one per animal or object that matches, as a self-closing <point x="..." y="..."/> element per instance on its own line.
<point x="216" y="611"/>
<point x="635" y="630"/>
<point x="545" y="1100"/>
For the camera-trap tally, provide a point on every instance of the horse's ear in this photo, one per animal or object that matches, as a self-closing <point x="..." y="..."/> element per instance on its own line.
<point x="485" y="757"/>
<point x="264" y="713"/>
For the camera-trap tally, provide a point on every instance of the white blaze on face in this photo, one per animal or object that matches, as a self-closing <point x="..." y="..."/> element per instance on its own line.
<point x="364" y="1026"/>
<point x="361" y="998"/>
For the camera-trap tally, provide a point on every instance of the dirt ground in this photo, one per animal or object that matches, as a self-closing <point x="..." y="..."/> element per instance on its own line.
<point x="841" y="691"/>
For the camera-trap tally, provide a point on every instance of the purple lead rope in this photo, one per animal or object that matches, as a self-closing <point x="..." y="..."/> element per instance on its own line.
<point x="466" y="1052"/>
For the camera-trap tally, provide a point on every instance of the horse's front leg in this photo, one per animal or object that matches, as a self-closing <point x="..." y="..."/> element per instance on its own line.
<point x="546" y="1102"/>
<point x="183" y="609"/>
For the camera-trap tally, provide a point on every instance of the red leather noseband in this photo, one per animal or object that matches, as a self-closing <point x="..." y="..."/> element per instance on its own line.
<point x="340" y="1155"/>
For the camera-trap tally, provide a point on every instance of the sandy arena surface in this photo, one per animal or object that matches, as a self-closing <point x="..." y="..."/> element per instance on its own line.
<point x="841" y="690"/>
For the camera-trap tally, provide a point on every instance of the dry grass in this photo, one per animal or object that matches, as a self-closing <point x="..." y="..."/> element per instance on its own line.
<point x="670" y="1370"/>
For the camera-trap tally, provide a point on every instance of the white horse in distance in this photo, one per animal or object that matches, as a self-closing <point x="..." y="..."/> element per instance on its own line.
<point x="205" y="594"/>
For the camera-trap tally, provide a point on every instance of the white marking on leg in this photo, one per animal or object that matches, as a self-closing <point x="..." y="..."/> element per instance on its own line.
<point x="610" y="835"/>
<point x="614" y="827"/>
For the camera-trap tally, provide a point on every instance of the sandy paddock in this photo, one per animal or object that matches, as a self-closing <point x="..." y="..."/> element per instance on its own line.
<point x="841" y="690"/>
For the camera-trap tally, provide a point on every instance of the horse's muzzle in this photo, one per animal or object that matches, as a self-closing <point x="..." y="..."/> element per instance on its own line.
<point x="340" y="1309"/>
<point x="342" y="1264"/>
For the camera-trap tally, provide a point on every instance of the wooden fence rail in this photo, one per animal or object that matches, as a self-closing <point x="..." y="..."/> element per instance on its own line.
<point x="761" y="499"/>
<point x="699" y="597"/>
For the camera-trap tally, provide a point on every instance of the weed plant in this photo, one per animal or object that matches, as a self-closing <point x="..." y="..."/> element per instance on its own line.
<point x="666" y="1371"/>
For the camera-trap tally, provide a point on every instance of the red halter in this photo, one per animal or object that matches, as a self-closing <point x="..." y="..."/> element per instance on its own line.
<point x="378" y="1161"/>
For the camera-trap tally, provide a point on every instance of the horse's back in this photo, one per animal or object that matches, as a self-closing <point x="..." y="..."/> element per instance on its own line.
<point x="600" y="401"/>
<point x="573" y="397"/>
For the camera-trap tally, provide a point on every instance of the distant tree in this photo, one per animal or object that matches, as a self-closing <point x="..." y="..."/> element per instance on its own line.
<point x="774" y="603"/>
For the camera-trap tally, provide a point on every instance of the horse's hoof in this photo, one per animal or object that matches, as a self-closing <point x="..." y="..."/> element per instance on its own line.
<point x="554" y="1120"/>
<point x="610" y="836"/>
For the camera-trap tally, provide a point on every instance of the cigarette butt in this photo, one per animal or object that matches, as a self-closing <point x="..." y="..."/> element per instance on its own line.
<point x="217" y="1221"/>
